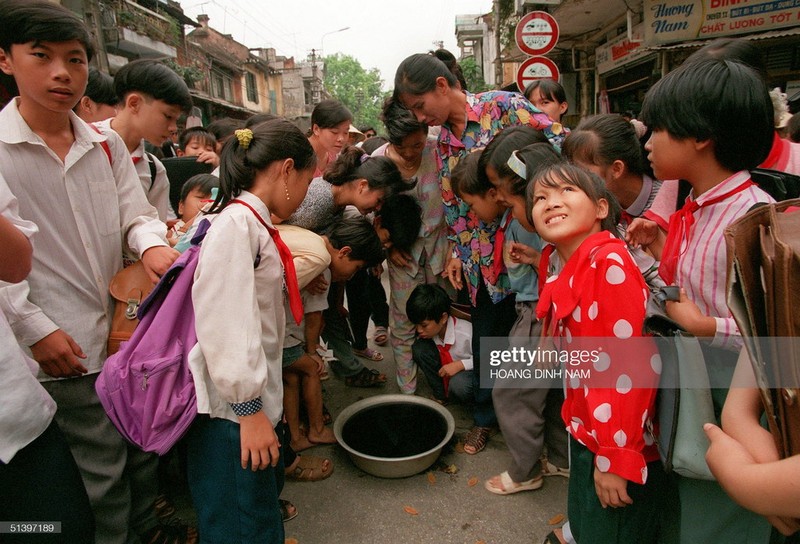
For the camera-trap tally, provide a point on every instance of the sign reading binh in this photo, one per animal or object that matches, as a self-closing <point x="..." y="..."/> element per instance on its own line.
<point x="536" y="33"/>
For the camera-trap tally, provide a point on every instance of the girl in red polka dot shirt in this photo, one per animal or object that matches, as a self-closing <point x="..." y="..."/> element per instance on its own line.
<point x="596" y="302"/>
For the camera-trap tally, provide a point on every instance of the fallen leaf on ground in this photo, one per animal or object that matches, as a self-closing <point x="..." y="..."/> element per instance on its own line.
<point x="431" y="478"/>
<point x="480" y="542"/>
<point x="472" y="481"/>
<point x="410" y="511"/>
<point x="290" y="541"/>
<point x="459" y="447"/>
<point x="450" y="469"/>
<point x="555" y="520"/>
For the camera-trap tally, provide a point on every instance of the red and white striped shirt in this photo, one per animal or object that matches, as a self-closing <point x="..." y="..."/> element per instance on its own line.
<point x="703" y="263"/>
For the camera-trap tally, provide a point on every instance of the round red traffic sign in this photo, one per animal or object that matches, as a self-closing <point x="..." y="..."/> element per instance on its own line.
<point x="536" y="68"/>
<point x="536" y="33"/>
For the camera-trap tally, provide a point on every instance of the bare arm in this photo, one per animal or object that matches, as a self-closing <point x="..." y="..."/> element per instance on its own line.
<point x="769" y="489"/>
<point x="742" y="412"/>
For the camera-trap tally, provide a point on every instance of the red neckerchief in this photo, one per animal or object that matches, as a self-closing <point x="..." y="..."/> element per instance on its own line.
<point x="680" y="228"/>
<point x="289" y="273"/>
<point x="499" y="239"/>
<point x="579" y="268"/>
<point x="778" y="157"/>
<point x="445" y="358"/>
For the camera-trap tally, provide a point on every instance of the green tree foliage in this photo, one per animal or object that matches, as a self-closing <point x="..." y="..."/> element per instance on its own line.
<point x="357" y="88"/>
<point x="473" y="75"/>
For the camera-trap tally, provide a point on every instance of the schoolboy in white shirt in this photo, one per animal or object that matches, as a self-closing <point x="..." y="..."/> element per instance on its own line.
<point x="88" y="206"/>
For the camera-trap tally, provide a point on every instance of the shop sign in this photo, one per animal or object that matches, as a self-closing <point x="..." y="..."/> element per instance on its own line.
<point x="670" y="21"/>
<point x="621" y="50"/>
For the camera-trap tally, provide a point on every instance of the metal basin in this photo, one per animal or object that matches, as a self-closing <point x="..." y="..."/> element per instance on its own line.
<point x="394" y="436"/>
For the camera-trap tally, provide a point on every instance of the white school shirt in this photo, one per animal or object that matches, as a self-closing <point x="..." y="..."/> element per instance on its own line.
<point x="26" y="409"/>
<point x="156" y="190"/>
<point x="459" y="336"/>
<point x="239" y="314"/>
<point x="312" y="302"/>
<point x="86" y="208"/>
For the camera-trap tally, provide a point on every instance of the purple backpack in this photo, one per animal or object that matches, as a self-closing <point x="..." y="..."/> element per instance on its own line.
<point x="146" y="387"/>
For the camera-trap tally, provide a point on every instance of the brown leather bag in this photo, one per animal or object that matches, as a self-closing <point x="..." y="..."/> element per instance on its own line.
<point x="763" y="296"/>
<point x="129" y="287"/>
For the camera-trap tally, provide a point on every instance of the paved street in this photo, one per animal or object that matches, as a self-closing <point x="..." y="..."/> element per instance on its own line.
<point x="355" y="508"/>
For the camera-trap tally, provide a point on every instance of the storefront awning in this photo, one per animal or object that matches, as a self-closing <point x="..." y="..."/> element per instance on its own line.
<point x="700" y="43"/>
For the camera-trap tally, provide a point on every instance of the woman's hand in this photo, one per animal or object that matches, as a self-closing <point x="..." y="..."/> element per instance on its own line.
<point x="398" y="257"/>
<point x="454" y="272"/>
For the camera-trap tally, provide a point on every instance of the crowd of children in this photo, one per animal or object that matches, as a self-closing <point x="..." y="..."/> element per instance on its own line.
<point x="549" y="236"/>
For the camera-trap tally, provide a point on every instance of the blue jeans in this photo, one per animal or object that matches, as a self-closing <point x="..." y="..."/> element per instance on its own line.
<point x="233" y="504"/>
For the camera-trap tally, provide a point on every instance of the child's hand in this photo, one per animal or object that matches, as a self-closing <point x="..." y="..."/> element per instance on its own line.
<point x="611" y="489"/>
<point x="209" y="157"/>
<point x="318" y="361"/>
<point x="641" y="232"/>
<point x="157" y="261"/>
<point x="318" y="285"/>
<point x="454" y="272"/>
<point x="398" y="257"/>
<point x="688" y="315"/>
<point x="522" y="254"/>
<point x="451" y="369"/>
<point x="725" y="456"/>
<point x="376" y="271"/>
<point x="58" y="354"/>
<point x="258" y="441"/>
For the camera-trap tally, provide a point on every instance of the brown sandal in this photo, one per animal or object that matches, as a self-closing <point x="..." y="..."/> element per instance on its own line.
<point x="309" y="468"/>
<point x="476" y="439"/>
<point x="368" y="377"/>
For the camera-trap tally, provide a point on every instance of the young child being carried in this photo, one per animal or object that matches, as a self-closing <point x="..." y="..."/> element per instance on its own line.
<point x="196" y="195"/>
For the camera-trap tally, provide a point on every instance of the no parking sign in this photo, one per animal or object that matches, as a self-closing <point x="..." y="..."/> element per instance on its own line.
<point x="536" y="68"/>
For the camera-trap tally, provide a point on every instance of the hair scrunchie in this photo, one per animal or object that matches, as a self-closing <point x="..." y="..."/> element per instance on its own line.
<point x="364" y="158"/>
<point x="245" y="136"/>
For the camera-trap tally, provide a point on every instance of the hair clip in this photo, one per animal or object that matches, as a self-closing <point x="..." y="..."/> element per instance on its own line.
<point x="364" y="158"/>
<point x="245" y="136"/>
<point x="517" y="166"/>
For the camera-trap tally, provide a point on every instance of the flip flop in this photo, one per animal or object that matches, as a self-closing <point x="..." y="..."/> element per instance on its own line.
<point x="369" y="353"/>
<point x="551" y="538"/>
<point x="509" y="486"/>
<point x="288" y="510"/>
<point x="309" y="469"/>
<point x="381" y="335"/>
